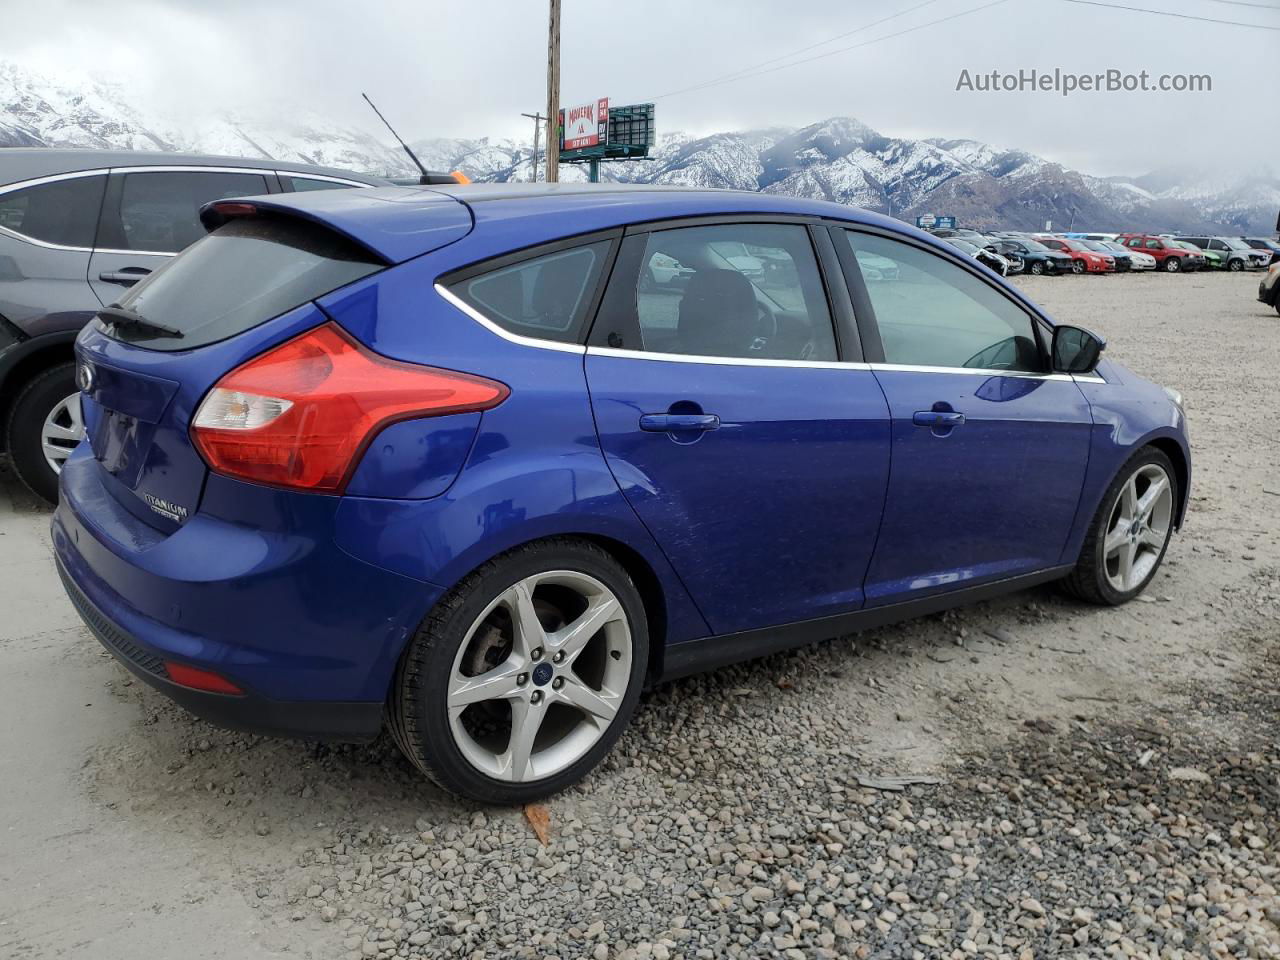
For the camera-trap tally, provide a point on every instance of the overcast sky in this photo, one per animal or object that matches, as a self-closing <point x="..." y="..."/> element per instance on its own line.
<point x="470" y="68"/>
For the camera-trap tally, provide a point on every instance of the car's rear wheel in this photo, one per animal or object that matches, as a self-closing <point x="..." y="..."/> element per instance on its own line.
<point x="1172" y="264"/>
<point x="1130" y="532"/>
<point x="522" y="678"/>
<point x="44" y="427"/>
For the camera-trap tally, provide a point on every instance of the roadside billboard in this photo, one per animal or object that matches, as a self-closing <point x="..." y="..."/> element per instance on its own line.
<point x="586" y="125"/>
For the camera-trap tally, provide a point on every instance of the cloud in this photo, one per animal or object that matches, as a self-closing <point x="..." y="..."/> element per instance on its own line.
<point x="470" y="69"/>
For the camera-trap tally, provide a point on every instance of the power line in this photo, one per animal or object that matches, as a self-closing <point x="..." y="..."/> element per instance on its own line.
<point x="1244" y="3"/>
<point x="832" y="53"/>
<point x="1166" y="13"/>
<point x="741" y="71"/>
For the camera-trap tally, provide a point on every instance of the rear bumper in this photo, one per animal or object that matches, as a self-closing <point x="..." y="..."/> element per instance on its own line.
<point x="322" y="720"/>
<point x="310" y="633"/>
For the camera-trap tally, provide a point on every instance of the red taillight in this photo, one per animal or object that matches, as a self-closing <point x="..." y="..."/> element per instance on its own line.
<point x="230" y="208"/>
<point x="197" y="679"/>
<point x="301" y="414"/>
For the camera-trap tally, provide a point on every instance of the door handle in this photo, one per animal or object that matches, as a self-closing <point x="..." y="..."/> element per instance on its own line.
<point x="665" y="422"/>
<point x="128" y="276"/>
<point x="937" y="418"/>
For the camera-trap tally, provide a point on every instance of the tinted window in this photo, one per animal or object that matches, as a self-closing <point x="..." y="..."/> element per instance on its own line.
<point x="545" y="296"/>
<point x="744" y="290"/>
<point x="1152" y="244"/>
<point x="239" y="276"/>
<point x="64" y="212"/>
<point x="301" y="184"/>
<point x="933" y="313"/>
<point x="160" y="212"/>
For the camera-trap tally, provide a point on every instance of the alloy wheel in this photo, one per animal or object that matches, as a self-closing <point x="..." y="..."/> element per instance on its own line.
<point x="540" y="676"/>
<point x="1138" y="528"/>
<point x="63" y="428"/>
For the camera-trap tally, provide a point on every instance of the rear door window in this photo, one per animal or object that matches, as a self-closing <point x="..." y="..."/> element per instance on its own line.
<point x="160" y="211"/>
<point x="241" y="275"/>
<point x="62" y="212"/>
<point x="748" y="291"/>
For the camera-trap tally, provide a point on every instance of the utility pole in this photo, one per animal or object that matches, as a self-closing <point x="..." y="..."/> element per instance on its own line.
<point x="553" y="94"/>
<point x="537" y="119"/>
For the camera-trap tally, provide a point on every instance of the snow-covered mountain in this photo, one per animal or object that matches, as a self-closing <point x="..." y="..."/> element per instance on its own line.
<point x="840" y="159"/>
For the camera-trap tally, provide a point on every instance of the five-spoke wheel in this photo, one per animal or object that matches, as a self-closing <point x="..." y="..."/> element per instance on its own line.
<point x="522" y="678"/>
<point x="1138" y="528"/>
<point x="1130" y="531"/>
<point x="562" y="648"/>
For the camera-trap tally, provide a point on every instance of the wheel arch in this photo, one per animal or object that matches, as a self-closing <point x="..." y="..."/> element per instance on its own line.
<point x="30" y="358"/>
<point x="652" y="595"/>
<point x="1172" y="449"/>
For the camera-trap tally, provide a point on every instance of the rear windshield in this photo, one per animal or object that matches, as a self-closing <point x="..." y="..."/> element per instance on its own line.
<point x="243" y="274"/>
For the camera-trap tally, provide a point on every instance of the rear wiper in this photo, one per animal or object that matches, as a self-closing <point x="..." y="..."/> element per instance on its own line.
<point x="123" y="317"/>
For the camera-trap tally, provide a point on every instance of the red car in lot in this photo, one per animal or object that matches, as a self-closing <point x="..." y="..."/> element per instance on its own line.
<point x="1083" y="260"/>
<point x="1169" y="257"/>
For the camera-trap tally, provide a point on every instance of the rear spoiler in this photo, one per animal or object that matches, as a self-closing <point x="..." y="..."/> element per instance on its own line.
<point x="393" y="223"/>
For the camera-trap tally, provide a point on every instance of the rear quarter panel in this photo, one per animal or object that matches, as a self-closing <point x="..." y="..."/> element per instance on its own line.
<point x="534" y="470"/>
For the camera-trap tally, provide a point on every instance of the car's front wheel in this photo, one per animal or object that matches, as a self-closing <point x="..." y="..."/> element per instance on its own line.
<point x="521" y="679"/>
<point x="1037" y="268"/>
<point x="1077" y="266"/>
<point x="44" y="427"/>
<point x="1172" y="264"/>
<point x="1235" y="265"/>
<point x="1130" y="532"/>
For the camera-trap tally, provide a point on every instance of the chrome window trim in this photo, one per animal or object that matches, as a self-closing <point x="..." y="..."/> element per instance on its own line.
<point x="6" y="232"/>
<point x="316" y="176"/>
<point x="725" y="361"/>
<point x="135" y="253"/>
<point x="53" y="178"/>
<point x="180" y="168"/>
<point x="507" y="335"/>
<point x="38" y="181"/>
<point x="974" y="371"/>
<point x="594" y="351"/>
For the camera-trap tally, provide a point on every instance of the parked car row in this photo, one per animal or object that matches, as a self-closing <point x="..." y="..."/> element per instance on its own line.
<point x="1011" y="252"/>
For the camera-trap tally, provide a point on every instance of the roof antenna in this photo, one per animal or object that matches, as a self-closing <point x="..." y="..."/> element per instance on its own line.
<point x="426" y="177"/>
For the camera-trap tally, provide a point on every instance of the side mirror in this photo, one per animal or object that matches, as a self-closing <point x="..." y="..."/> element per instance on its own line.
<point x="1076" y="350"/>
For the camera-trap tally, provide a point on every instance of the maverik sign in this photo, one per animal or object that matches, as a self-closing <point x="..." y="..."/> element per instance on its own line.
<point x="584" y="126"/>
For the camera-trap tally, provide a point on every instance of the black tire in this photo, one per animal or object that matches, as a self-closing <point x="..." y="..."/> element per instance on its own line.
<point x="1077" y="267"/>
<point x="1037" y="268"/>
<point x="26" y="420"/>
<point x="417" y="715"/>
<point x="1235" y="265"/>
<point x="1172" y="264"/>
<point x="1088" y="581"/>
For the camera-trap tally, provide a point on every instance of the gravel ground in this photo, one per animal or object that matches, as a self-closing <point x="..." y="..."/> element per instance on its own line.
<point x="1024" y="778"/>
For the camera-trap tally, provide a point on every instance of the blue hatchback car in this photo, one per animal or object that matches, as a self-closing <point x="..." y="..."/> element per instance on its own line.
<point x="481" y="463"/>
